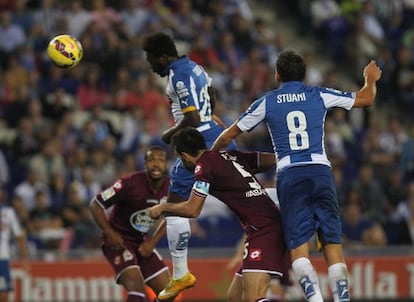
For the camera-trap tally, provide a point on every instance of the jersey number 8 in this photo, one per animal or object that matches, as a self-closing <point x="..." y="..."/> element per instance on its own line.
<point x="298" y="136"/>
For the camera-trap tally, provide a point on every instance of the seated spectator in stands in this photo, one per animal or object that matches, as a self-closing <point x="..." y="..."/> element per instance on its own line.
<point x="394" y="189"/>
<point x="41" y="125"/>
<point x="46" y="223"/>
<point x="184" y="21"/>
<point x="328" y="21"/>
<point x="11" y="37"/>
<point x="91" y="92"/>
<point x="404" y="218"/>
<point x="58" y="102"/>
<point x="205" y="54"/>
<point x="406" y="163"/>
<point x="22" y="16"/>
<point x="4" y="169"/>
<point x="49" y="161"/>
<point x="371" y="195"/>
<point x="58" y="191"/>
<point x="88" y="187"/>
<point x="27" y="189"/>
<point x="103" y="166"/>
<point x="357" y="229"/>
<point x="403" y="81"/>
<point x="77" y="217"/>
<point x="78" y="18"/>
<point x="253" y="64"/>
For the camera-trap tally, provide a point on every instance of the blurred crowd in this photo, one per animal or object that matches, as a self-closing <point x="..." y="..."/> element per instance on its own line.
<point x="65" y="134"/>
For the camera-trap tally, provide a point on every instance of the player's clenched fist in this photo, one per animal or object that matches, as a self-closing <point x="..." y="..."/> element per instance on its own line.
<point x="372" y="71"/>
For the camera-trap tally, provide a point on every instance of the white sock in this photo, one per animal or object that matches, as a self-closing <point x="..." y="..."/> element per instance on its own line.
<point x="308" y="279"/>
<point x="178" y="234"/>
<point x="338" y="282"/>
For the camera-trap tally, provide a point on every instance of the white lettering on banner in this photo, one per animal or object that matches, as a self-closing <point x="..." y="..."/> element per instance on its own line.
<point x="45" y="289"/>
<point x="410" y="270"/>
<point x="365" y="285"/>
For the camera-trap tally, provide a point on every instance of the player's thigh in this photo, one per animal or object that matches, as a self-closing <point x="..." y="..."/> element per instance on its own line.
<point x="153" y="266"/>
<point x="327" y="210"/>
<point x="132" y="280"/>
<point x="122" y="261"/>
<point x="255" y="285"/>
<point x="235" y="290"/>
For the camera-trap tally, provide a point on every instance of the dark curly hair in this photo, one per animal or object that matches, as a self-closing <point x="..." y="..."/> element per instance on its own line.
<point x="290" y="66"/>
<point x="188" y="140"/>
<point x="159" y="44"/>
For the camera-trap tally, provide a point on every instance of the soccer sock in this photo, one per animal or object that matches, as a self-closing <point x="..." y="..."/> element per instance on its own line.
<point x="135" y="297"/>
<point x="308" y="279"/>
<point x="338" y="282"/>
<point x="178" y="234"/>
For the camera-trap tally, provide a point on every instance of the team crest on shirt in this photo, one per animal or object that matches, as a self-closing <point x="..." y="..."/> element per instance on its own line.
<point x="255" y="255"/>
<point x="197" y="169"/>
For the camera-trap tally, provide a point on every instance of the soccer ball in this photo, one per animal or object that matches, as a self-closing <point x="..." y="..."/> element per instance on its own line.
<point x="65" y="51"/>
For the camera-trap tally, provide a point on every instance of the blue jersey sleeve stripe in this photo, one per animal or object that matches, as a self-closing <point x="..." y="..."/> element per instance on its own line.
<point x="253" y="116"/>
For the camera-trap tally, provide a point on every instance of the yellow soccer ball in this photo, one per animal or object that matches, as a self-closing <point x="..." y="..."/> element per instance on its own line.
<point x="65" y="51"/>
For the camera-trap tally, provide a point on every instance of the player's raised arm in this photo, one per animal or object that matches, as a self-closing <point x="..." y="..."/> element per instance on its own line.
<point x="366" y="95"/>
<point x="226" y="137"/>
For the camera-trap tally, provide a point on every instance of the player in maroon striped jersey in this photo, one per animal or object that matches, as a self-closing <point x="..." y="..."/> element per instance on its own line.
<point x="125" y="243"/>
<point x="229" y="176"/>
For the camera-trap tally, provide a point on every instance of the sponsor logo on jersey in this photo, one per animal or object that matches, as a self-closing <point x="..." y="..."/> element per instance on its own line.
<point x="117" y="260"/>
<point x="181" y="91"/>
<point x="108" y="193"/>
<point x="255" y="255"/>
<point x="255" y="192"/>
<point x="140" y="221"/>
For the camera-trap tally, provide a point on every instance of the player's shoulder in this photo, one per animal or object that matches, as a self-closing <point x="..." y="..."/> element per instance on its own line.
<point x="133" y="177"/>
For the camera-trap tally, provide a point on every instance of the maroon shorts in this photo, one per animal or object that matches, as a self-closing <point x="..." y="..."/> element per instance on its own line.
<point x="265" y="251"/>
<point x="120" y="260"/>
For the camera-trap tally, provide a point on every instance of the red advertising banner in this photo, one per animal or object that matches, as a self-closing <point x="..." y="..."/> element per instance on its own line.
<point x="92" y="281"/>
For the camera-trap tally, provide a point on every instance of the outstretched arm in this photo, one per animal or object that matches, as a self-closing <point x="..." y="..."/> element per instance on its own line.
<point x="226" y="137"/>
<point x="366" y="95"/>
<point x="190" y="208"/>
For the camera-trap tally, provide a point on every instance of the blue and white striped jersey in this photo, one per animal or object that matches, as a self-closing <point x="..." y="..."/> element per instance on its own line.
<point x="187" y="90"/>
<point x="9" y="226"/>
<point x="294" y="115"/>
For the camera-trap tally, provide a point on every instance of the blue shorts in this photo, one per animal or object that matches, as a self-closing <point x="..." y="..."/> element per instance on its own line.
<point x="308" y="204"/>
<point x="5" y="279"/>
<point x="182" y="180"/>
